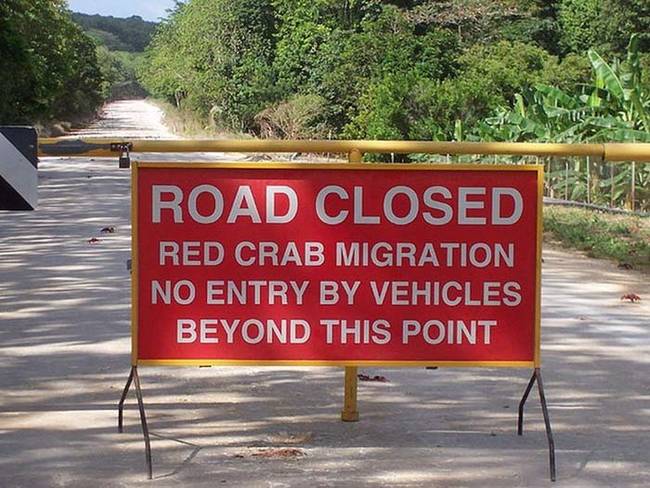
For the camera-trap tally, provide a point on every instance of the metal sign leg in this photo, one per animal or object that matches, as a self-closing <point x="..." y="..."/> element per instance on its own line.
<point x="120" y="406"/>
<point x="520" y="421"/>
<point x="547" y="422"/>
<point x="537" y="376"/>
<point x="133" y="377"/>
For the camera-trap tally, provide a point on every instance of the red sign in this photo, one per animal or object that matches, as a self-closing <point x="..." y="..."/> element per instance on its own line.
<point x="336" y="264"/>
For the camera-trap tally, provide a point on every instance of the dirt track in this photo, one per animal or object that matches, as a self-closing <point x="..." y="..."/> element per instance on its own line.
<point x="64" y="357"/>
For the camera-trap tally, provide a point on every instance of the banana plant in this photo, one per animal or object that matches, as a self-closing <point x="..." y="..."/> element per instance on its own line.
<point x="621" y="83"/>
<point x="614" y="107"/>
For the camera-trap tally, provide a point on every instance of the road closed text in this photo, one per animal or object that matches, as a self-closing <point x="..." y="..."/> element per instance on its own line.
<point x="334" y="204"/>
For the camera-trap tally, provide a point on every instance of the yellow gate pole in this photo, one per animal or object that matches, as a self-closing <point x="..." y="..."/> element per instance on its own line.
<point x="612" y="152"/>
<point x="350" y="412"/>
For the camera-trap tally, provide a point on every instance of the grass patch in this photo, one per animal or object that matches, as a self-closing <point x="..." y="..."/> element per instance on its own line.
<point x="187" y="124"/>
<point x="622" y="238"/>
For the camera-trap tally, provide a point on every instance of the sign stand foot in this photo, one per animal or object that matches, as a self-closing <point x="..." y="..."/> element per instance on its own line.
<point x="135" y="379"/>
<point x="537" y="376"/>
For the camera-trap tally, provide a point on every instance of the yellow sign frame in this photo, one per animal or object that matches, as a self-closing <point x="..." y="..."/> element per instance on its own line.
<point x="136" y="165"/>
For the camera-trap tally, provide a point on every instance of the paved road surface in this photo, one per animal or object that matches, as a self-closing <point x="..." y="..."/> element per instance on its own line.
<point x="64" y="357"/>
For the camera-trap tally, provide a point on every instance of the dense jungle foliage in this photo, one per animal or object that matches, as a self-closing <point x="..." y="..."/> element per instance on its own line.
<point x="52" y="69"/>
<point x="49" y="66"/>
<point x="120" y="43"/>
<point x="117" y="34"/>
<point x="405" y="69"/>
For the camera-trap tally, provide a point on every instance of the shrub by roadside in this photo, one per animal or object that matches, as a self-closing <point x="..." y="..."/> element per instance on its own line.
<point x="186" y="123"/>
<point x="623" y="238"/>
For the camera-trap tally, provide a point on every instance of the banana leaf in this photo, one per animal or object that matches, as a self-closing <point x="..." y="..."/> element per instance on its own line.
<point x="606" y="73"/>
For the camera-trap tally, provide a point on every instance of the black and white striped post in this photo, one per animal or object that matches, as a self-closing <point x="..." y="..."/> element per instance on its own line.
<point x="18" y="168"/>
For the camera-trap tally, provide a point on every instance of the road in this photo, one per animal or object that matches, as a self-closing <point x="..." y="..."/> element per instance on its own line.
<point x="64" y="358"/>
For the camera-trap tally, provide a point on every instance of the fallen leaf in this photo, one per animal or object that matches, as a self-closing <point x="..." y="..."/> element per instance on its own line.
<point x="287" y="452"/>
<point x="275" y="453"/>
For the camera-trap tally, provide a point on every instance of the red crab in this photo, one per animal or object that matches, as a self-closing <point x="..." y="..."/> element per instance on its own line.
<point x="632" y="297"/>
<point x="365" y="377"/>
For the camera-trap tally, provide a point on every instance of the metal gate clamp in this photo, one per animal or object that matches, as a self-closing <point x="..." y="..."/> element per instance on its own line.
<point x="123" y="148"/>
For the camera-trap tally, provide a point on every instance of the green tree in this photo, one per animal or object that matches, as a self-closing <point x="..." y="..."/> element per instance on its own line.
<point x="383" y="109"/>
<point x="425" y="106"/>
<point x="582" y="24"/>
<point x="380" y="64"/>
<point x="119" y="70"/>
<point x="537" y="23"/>
<point x="131" y="34"/>
<point x="472" y="20"/>
<point x="302" y="30"/>
<point x="215" y="57"/>
<point x="621" y="18"/>
<point x="52" y="63"/>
